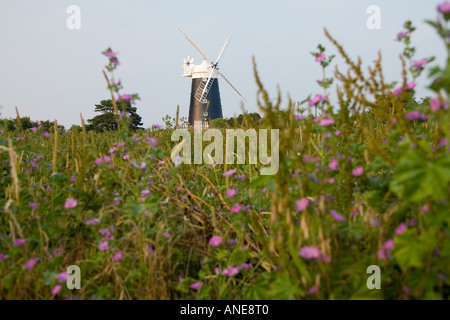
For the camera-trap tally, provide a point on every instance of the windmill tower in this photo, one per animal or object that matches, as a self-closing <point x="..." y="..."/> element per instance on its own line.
<point x="205" y="104"/>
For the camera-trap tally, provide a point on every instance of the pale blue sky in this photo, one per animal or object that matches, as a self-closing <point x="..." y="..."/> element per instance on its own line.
<point x="50" y="72"/>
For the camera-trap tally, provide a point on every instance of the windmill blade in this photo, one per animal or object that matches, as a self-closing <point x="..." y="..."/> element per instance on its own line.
<point x="223" y="48"/>
<point x="195" y="46"/>
<point x="232" y="86"/>
<point x="203" y="88"/>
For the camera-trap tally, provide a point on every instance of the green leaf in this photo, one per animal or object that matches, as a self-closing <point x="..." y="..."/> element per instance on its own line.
<point x="417" y="178"/>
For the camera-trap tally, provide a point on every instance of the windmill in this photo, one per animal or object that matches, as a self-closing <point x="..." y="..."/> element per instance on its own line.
<point x="205" y="104"/>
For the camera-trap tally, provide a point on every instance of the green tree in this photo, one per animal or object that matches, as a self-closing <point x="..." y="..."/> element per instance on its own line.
<point x="106" y="122"/>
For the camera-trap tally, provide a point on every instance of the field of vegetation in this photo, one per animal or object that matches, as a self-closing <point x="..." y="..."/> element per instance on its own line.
<point x="363" y="180"/>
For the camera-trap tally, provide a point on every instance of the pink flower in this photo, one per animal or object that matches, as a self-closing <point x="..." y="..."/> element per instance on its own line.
<point x="375" y="222"/>
<point x="62" y="277"/>
<point x="229" y="173"/>
<point x="231" y="271"/>
<point x="126" y="157"/>
<point x="331" y="181"/>
<point x="215" y="241"/>
<point x="99" y="161"/>
<point x="160" y="162"/>
<point x="146" y="192"/>
<point x="34" y="129"/>
<point x="103" y="246"/>
<point x="56" y="289"/>
<point x="402" y="34"/>
<point x="111" y="54"/>
<point x="337" y="216"/>
<point x="312" y="102"/>
<point x="107" y="159"/>
<point x="154" y="141"/>
<point x="326" y="122"/>
<point x="419" y="64"/>
<point x="311" y="252"/>
<point x="298" y="117"/>
<point x="320" y="57"/>
<point x="93" y="222"/>
<point x="302" y="204"/>
<point x="411" y="85"/>
<point x="444" y="7"/>
<point x="435" y="105"/>
<point x="231" y="192"/>
<point x="388" y="245"/>
<point x="30" y="263"/>
<point x="118" y="256"/>
<point x="312" y="290"/>
<point x="196" y="285"/>
<point x="397" y="91"/>
<point x="112" y="150"/>
<point x="3" y="256"/>
<point x="358" y="172"/>
<point x="120" y="144"/>
<point x="167" y="235"/>
<point x="400" y="229"/>
<point x="19" y="242"/>
<point x="334" y="165"/>
<point x="385" y="251"/>
<point x="70" y="203"/>
<point x="33" y="205"/>
<point x="338" y="133"/>
<point x="236" y="208"/>
<point x="46" y="134"/>
<point x="415" y="115"/>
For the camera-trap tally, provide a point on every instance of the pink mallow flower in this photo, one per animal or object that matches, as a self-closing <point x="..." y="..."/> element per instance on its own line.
<point x="320" y="57"/>
<point x="70" y="203"/>
<point x="302" y="204"/>
<point x="103" y="246"/>
<point x="118" y="256"/>
<point x="435" y="105"/>
<point x="310" y="252"/>
<point x="358" y="172"/>
<point x="385" y="251"/>
<point x="196" y="285"/>
<point x="402" y="34"/>
<point x="416" y="115"/>
<point x="215" y="241"/>
<point x="312" y="102"/>
<point x="29" y="265"/>
<point x="231" y="271"/>
<point x="229" y="173"/>
<point x="62" y="277"/>
<point x="336" y="216"/>
<point x="444" y="7"/>
<point x="93" y="222"/>
<point x="334" y="165"/>
<point x="409" y="86"/>
<point x="19" y="242"/>
<point x="236" y="208"/>
<point x="56" y="289"/>
<point x="400" y="229"/>
<point x="231" y="192"/>
<point x="419" y="64"/>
